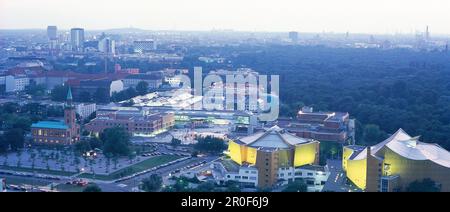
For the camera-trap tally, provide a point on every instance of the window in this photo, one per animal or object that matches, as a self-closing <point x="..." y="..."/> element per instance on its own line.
<point x="384" y="185"/>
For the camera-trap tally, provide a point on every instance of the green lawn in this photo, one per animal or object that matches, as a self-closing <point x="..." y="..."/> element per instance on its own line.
<point x="38" y="171"/>
<point x="141" y="166"/>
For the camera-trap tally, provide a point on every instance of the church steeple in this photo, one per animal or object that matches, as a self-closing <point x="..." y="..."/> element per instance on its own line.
<point x="69" y="98"/>
<point x="70" y="117"/>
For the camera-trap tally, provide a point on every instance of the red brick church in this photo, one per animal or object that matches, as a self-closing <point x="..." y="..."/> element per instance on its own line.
<point x="65" y="132"/>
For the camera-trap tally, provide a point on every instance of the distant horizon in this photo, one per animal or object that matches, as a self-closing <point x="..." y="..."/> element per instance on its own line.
<point x="354" y="16"/>
<point x="225" y="30"/>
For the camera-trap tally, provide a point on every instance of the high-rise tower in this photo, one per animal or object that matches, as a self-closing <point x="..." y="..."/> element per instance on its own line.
<point x="77" y="39"/>
<point x="52" y="32"/>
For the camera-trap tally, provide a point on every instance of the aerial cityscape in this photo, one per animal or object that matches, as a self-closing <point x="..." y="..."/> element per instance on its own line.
<point x="224" y="109"/>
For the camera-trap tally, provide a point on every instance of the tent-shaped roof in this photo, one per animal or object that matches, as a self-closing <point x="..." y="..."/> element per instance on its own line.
<point x="411" y="148"/>
<point x="274" y="137"/>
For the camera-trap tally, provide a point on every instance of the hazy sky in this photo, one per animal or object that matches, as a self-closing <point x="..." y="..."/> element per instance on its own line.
<point x="368" y="16"/>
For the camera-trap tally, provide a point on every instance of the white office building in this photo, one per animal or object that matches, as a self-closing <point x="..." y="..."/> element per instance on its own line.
<point x="314" y="176"/>
<point x="246" y="176"/>
<point x="107" y="46"/>
<point x="16" y="83"/>
<point x="85" y="110"/>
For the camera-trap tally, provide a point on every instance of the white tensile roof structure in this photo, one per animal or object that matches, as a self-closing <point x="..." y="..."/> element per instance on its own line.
<point x="411" y="148"/>
<point x="274" y="137"/>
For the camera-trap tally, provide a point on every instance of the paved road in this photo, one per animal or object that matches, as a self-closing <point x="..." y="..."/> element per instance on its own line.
<point x="29" y="182"/>
<point x="337" y="180"/>
<point x="131" y="184"/>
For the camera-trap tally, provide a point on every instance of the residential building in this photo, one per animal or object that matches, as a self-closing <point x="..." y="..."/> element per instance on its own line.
<point x="395" y="163"/>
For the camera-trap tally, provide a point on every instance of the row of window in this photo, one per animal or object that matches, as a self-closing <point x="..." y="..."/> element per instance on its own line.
<point x="252" y="172"/>
<point x="48" y="141"/>
<point x="50" y="133"/>
<point x="237" y="177"/>
<point x="309" y="174"/>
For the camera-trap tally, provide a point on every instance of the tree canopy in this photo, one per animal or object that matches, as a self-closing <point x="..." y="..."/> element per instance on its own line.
<point x="152" y="183"/>
<point x="116" y="141"/>
<point x="425" y="185"/>
<point x="92" y="188"/>
<point x="296" y="186"/>
<point x="210" y="144"/>
<point x="142" y="88"/>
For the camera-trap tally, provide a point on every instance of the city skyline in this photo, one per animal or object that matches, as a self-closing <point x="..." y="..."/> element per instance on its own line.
<point x="381" y="17"/>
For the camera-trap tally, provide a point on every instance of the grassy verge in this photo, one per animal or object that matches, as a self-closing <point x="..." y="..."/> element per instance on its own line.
<point x="38" y="171"/>
<point x="141" y="166"/>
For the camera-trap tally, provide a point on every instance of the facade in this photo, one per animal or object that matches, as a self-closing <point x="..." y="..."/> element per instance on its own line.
<point x="314" y="176"/>
<point x="135" y="122"/>
<point x="65" y="132"/>
<point x="154" y="81"/>
<point x="271" y="152"/>
<point x="143" y="46"/>
<point x="322" y="126"/>
<point x="16" y="83"/>
<point x="118" y="69"/>
<point x="396" y="162"/>
<point x="52" y="33"/>
<point x="77" y="39"/>
<point x="103" y="88"/>
<point x="247" y="176"/>
<point x="85" y="110"/>
<point x="107" y="46"/>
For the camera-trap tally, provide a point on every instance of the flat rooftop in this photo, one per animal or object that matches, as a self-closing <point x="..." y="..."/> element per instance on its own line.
<point x="50" y="125"/>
